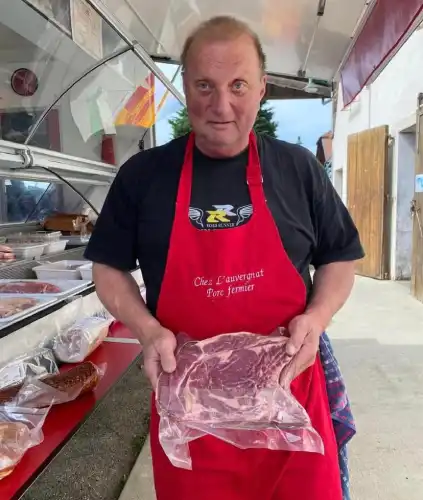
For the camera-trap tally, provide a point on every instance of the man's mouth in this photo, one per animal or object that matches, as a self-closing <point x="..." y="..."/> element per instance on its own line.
<point x="219" y="124"/>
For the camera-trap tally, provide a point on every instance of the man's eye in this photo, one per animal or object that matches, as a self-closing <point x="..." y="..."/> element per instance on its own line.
<point x="238" y="86"/>
<point x="203" y="86"/>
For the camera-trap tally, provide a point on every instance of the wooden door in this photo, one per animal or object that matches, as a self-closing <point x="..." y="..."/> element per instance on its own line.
<point x="367" y="198"/>
<point x="417" y="211"/>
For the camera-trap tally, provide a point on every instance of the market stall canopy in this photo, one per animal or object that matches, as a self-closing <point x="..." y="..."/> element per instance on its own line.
<point x="303" y="39"/>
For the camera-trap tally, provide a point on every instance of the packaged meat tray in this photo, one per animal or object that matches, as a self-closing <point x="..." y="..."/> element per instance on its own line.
<point x="37" y="288"/>
<point x="14" y="308"/>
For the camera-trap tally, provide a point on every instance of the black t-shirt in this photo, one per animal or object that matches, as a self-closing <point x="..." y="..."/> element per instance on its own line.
<point x="136" y="220"/>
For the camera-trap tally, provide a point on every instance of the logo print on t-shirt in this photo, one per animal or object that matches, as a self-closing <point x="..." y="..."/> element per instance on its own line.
<point x="221" y="216"/>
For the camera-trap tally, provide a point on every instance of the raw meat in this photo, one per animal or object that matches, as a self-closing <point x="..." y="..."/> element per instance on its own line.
<point x="15" y="439"/>
<point x="35" y="286"/>
<point x="236" y="387"/>
<point x="77" y="342"/>
<point x="10" y="307"/>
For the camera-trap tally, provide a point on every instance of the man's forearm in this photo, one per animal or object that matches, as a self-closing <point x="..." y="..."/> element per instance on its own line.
<point x="120" y="294"/>
<point x="332" y="286"/>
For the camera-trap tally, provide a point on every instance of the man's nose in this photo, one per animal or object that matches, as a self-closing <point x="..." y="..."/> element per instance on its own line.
<point x="221" y="102"/>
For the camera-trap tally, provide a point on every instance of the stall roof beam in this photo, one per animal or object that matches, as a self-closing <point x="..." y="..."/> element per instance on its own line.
<point x="28" y="162"/>
<point x="138" y="49"/>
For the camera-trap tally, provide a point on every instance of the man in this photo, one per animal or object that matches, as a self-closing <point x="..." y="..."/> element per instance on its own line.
<point x="223" y="202"/>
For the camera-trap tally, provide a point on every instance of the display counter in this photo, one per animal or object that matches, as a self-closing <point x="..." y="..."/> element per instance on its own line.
<point x="116" y="354"/>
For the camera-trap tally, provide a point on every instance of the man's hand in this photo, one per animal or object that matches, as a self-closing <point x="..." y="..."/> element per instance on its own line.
<point x="6" y="254"/>
<point x="304" y="332"/>
<point x="159" y="346"/>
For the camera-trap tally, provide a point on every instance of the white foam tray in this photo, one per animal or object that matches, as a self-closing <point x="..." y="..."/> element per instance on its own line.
<point x="68" y="287"/>
<point x="59" y="270"/>
<point x="87" y="271"/>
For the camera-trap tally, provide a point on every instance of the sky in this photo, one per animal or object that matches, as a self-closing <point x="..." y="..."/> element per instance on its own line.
<point x="308" y="118"/>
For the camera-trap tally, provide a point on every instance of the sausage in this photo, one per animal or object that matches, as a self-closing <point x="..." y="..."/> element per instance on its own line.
<point x="82" y="378"/>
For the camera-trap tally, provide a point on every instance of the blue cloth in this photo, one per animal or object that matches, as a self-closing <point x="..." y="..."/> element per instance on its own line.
<point x="343" y="420"/>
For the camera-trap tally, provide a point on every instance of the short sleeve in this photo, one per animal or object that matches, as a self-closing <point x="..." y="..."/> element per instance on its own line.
<point x="337" y="238"/>
<point x="114" y="239"/>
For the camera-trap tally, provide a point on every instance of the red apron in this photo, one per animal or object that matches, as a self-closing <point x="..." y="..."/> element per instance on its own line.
<point x="232" y="280"/>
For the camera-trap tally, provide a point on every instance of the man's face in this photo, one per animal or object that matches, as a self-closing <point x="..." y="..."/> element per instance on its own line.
<point x="223" y="85"/>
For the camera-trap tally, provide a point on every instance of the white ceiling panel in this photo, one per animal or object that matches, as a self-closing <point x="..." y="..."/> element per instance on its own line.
<point x="285" y="27"/>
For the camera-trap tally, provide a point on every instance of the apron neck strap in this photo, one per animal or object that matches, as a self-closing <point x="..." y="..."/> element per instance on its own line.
<point x="254" y="174"/>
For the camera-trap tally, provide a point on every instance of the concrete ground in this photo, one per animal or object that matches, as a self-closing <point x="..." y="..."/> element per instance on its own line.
<point x="378" y="339"/>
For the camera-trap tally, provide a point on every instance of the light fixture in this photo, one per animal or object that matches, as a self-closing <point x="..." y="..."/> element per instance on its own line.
<point x="311" y="88"/>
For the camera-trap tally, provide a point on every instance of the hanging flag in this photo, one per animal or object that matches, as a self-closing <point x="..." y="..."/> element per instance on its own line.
<point x="139" y="110"/>
<point x="167" y="103"/>
<point x="91" y="111"/>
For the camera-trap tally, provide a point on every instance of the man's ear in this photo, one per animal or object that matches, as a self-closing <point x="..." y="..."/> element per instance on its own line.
<point x="184" y="83"/>
<point x="263" y="86"/>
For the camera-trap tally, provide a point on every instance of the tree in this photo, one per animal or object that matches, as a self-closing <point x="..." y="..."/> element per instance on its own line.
<point x="180" y="124"/>
<point x="264" y="123"/>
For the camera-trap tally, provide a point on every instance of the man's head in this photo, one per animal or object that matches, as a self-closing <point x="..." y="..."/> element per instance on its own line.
<point x="224" y="81"/>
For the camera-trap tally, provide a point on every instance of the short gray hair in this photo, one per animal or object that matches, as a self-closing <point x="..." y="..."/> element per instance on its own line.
<point x="221" y="28"/>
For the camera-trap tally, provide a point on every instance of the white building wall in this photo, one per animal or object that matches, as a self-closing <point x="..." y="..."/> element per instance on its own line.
<point x="391" y="100"/>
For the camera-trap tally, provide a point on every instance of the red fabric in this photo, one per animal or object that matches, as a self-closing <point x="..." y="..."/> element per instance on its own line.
<point x="108" y="150"/>
<point x="384" y="31"/>
<point x="197" y="263"/>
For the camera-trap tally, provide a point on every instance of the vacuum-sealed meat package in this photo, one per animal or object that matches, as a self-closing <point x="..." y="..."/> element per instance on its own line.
<point x="20" y="429"/>
<point x="76" y="343"/>
<point x="54" y="389"/>
<point x="235" y="387"/>
<point x="38" y="363"/>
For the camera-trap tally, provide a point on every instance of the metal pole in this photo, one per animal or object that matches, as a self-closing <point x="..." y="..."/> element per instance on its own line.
<point x="136" y="47"/>
<point x="70" y="86"/>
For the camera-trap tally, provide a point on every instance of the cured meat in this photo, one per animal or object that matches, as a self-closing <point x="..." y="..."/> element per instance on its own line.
<point x="12" y="306"/>
<point x="237" y="388"/>
<point x="28" y="287"/>
<point x="73" y="383"/>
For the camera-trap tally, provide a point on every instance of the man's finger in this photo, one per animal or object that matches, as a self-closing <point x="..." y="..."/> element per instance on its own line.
<point x="168" y="361"/>
<point x="167" y="358"/>
<point x="296" y="340"/>
<point x="151" y="370"/>
<point x="303" y="360"/>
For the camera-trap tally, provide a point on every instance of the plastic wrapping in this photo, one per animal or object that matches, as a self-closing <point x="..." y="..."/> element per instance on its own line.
<point x="55" y="389"/>
<point x="39" y="363"/>
<point x="76" y="343"/>
<point x="20" y="429"/>
<point x="235" y="387"/>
